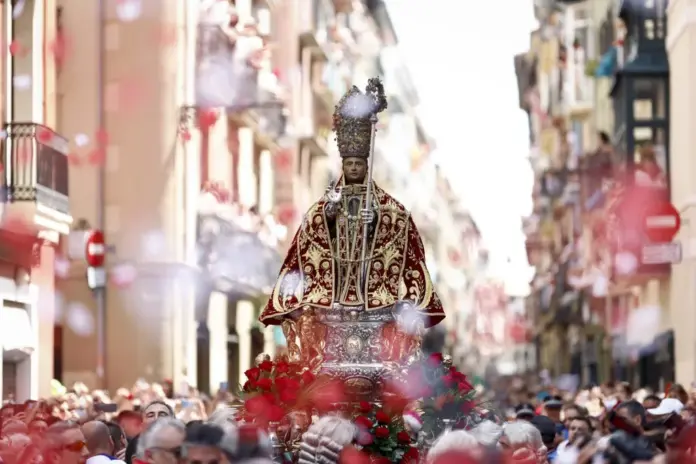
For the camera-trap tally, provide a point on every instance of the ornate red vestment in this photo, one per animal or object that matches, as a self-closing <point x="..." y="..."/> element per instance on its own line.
<point x="396" y="267"/>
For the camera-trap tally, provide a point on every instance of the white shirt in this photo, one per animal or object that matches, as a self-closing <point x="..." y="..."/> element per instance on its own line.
<point x="101" y="459"/>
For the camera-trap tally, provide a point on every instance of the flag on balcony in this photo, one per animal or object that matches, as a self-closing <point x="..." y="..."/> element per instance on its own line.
<point x="607" y="64"/>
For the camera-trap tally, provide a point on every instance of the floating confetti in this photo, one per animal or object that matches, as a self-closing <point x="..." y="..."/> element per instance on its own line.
<point x="97" y="157"/>
<point x="625" y="263"/>
<point x="128" y="10"/>
<point x="81" y="140"/>
<point x="43" y="135"/>
<point x="21" y="82"/>
<point x="79" y="319"/>
<point x="74" y="159"/>
<point x="16" y="48"/>
<point x="154" y="245"/>
<point x="185" y="135"/>
<point x="123" y="275"/>
<point x="58" y="48"/>
<point x="3" y="134"/>
<point x="62" y="267"/>
<point x="18" y="9"/>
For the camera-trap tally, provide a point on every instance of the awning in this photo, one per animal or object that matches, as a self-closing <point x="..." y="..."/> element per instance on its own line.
<point x="16" y="333"/>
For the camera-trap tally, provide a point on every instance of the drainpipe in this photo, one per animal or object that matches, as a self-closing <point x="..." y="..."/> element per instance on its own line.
<point x="100" y="293"/>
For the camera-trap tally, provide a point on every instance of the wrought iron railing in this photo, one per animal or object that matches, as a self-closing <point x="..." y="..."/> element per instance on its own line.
<point x="35" y="161"/>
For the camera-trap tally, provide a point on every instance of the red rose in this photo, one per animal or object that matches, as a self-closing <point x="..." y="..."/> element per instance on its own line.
<point x="253" y="374"/>
<point x="287" y="383"/>
<point x="435" y="359"/>
<point x="380" y="460"/>
<point x="381" y="432"/>
<point x="465" y="387"/>
<point x="364" y="422"/>
<point x="448" y="380"/>
<point x="382" y="417"/>
<point x="307" y="377"/>
<point x="249" y="385"/>
<point x="411" y="456"/>
<point x="468" y="406"/>
<point x="403" y="437"/>
<point x="266" y="366"/>
<point x="257" y="405"/>
<point x="264" y="384"/>
<point x="282" y="367"/>
<point x="287" y="395"/>
<point x="364" y="407"/>
<point x="275" y="413"/>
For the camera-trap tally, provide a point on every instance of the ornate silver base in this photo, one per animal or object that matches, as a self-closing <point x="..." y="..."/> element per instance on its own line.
<point x="353" y="348"/>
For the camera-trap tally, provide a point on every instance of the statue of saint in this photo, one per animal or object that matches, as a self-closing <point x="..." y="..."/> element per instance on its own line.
<point x="346" y="255"/>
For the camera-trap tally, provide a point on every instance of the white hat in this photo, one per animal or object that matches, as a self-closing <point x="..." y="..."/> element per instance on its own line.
<point x="667" y="406"/>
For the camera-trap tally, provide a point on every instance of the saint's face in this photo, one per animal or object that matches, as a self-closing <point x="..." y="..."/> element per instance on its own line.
<point x="354" y="170"/>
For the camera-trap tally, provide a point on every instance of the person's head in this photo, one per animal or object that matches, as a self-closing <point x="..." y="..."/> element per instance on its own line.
<point x="548" y="430"/>
<point x="624" y="392"/>
<point x="452" y="442"/>
<point x="522" y="435"/>
<point x="552" y="407"/>
<point x="118" y="436"/>
<point x="677" y="391"/>
<point x="326" y="438"/>
<point x="161" y="441"/>
<point x="98" y="438"/>
<point x="651" y="402"/>
<point x="524" y="411"/>
<point x="580" y="425"/>
<point x="203" y="444"/>
<point x="131" y="422"/>
<point x="245" y="442"/>
<point x="65" y="443"/>
<point x="633" y="412"/>
<point x="156" y="410"/>
<point x="354" y="169"/>
<point x="487" y="433"/>
<point x="570" y="412"/>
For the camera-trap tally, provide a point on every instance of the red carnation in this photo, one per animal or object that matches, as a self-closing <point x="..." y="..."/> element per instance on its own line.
<point x="266" y="366"/>
<point x="381" y="432"/>
<point x="435" y="359"/>
<point x="264" y="384"/>
<point x="282" y="367"/>
<point x="382" y="417"/>
<point x="403" y="437"/>
<point x="364" y="407"/>
<point x="364" y="422"/>
<point x="253" y="374"/>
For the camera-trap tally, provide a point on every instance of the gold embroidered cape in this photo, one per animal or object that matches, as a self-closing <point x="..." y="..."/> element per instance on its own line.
<point x="396" y="267"/>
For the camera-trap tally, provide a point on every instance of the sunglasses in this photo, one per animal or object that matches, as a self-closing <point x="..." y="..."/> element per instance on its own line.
<point x="75" y="446"/>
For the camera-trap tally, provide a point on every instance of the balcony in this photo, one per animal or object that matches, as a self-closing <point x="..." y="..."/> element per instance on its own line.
<point x="35" y="180"/>
<point x="313" y="27"/>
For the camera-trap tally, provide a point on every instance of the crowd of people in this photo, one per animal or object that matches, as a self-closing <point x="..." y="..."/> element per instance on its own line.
<point x="149" y="423"/>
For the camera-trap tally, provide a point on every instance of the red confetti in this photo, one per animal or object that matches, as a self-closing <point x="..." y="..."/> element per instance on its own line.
<point x="283" y="159"/>
<point x="102" y="137"/>
<point x="185" y="135"/>
<point x="58" y="49"/>
<point x="97" y="156"/>
<point x="74" y="159"/>
<point x="17" y="49"/>
<point x="43" y="135"/>
<point x="207" y="118"/>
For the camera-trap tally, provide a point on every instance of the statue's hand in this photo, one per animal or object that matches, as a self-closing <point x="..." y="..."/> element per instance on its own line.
<point x="367" y="215"/>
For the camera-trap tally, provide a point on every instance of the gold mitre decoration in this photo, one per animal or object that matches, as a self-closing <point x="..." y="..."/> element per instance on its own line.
<point x="352" y="118"/>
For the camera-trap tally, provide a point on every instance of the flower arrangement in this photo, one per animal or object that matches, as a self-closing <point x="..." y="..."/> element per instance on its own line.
<point x="446" y="397"/>
<point x="383" y="436"/>
<point x="274" y="389"/>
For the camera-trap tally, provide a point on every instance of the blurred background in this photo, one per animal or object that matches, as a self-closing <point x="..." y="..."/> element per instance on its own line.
<point x="526" y="138"/>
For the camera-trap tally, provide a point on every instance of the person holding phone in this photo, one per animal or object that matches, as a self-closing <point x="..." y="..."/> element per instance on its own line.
<point x="628" y="441"/>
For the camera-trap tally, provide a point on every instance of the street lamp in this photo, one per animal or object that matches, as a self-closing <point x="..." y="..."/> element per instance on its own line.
<point x="641" y="87"/>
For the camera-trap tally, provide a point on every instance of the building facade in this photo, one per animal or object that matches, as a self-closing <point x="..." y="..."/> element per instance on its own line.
<point x="35" y="208"/>
<point x="681" y="27"/>
<point x="592" y="142"/>
<point x="210" y="159"/>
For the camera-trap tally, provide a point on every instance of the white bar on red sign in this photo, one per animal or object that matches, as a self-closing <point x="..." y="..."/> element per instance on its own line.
<point x="662" y="222"/>
<point x="96" y="249"/>
<point x="662" y="253"/>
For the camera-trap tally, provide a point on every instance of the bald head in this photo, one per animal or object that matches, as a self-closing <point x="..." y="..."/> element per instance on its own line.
<point x="98" y="438"/>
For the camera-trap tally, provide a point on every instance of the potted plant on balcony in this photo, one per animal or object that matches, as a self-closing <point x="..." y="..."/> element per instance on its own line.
<point x="591" y="67"/>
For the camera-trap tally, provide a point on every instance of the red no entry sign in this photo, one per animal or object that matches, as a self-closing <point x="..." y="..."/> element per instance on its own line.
<point x="95" y="249"/>
<point x="661" y="222"/>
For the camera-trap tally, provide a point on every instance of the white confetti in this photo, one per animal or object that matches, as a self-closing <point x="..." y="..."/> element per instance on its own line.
<point x="128" y="10"/>
<point x="3" y="134"/>
<point x="81" y="140"/>
<point x="80" y="319"/>
<point x="22" y="82"/>
<point x="62" y="267"/>
<point x="18" y="9"/>
<point x="625" y="263"/>
<point x="154" y="244"/>
<point x="123" y="275"/>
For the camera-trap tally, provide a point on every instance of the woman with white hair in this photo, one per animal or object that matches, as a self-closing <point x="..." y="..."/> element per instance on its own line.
<point x="454" y="442"/>
<point x="487" y="433"/>
<point x="522" y="438"/>
<point x="325" y="440"/>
